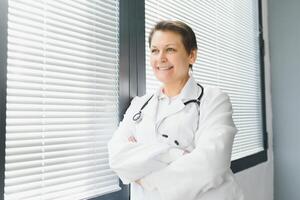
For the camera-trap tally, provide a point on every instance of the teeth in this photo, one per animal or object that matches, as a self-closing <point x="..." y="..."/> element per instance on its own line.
<point x="165" y="68"/>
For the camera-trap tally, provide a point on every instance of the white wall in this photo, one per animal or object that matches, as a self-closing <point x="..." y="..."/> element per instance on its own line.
<point x="285" y="61"/>
<point x="257" y="182"/>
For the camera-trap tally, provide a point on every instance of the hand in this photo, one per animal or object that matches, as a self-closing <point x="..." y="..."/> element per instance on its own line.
<point x="138" y="182"/>
<point x="132" y="139"/>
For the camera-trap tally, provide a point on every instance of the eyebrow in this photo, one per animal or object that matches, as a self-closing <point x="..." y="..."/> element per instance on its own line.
<point x="165" y="45"/>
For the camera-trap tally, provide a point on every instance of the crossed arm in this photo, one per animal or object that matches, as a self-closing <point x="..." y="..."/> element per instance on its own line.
<point x="206" y="167"/>
<point x="133" y="140"/>
<point x="132" y="160"/>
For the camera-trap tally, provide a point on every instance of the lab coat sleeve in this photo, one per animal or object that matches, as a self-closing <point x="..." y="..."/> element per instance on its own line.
<point x="132" y="161"/>
<point x="206" y="166"/>
<point x="170" y="155"/>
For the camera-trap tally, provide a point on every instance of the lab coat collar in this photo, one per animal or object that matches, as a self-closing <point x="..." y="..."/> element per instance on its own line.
<point x="188" y="92"/>
<point x="151" y="109"/>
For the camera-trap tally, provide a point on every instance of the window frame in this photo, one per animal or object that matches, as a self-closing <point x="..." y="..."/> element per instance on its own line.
<point x="132" y="74"/>
<point x="3" y="79"/>
<point x="262" y="156"/>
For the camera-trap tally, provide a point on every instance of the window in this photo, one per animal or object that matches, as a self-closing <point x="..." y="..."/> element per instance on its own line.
<point x="62" y="98"/>
<point x="228" y="37"/>
<point x="72" y="67"/>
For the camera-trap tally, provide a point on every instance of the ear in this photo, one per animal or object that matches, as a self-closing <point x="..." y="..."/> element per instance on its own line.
<point x="193" y="56"/>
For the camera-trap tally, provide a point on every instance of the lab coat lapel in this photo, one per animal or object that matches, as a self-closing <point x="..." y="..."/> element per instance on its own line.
<point x="151" y="109"/>
<point x="190" y="91"/>
<point x="175" y="107"/>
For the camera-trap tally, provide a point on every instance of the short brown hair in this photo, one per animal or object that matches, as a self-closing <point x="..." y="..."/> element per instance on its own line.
<point x="187" y="34"/>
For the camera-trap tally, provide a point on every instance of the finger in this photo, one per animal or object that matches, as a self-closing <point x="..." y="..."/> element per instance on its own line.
<point x="132" y="139"/>
<point x="138" y="182"/>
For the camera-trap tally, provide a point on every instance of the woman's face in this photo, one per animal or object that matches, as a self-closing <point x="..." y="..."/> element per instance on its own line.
<point x="169" y="59"/>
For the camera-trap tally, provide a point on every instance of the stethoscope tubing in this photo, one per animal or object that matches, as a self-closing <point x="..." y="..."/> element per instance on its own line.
<point x="138" y="116"/>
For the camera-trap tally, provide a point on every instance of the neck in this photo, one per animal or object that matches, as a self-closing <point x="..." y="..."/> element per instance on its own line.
<point x="173" y="89"/>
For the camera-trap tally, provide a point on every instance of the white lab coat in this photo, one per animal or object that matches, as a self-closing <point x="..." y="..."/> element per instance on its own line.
<point x="165" y="173"/>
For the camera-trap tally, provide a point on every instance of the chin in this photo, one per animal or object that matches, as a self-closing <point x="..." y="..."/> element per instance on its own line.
<point x="163" y="79"/>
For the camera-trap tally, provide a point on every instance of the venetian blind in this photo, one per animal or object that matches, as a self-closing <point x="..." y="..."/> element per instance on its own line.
<point x="228" y="57"/>
<point x="62" y="98"/>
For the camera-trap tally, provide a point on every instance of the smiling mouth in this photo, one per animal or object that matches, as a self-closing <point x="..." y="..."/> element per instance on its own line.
<point x="164" y="68"/>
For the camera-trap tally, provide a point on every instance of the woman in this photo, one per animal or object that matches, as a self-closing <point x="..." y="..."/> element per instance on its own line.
<point x="176" y="144"/>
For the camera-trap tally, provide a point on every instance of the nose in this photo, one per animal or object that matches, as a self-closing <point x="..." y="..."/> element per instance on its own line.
<point x="162" y="57"/>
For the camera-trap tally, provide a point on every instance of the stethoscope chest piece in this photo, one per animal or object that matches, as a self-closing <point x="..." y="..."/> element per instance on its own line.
<point x="137" y="117"/>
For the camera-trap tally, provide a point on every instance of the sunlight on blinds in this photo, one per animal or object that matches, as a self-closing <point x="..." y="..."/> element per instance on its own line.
<point x="62" y="98"/>
<point x="228" y="57"/>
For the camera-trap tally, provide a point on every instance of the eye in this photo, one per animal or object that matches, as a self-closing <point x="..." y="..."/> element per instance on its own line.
<point x="170" y="50"/>
<point x="154" y="51"/>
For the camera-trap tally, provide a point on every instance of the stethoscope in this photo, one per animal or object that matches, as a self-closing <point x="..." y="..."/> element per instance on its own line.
<point x="138" y="116"/>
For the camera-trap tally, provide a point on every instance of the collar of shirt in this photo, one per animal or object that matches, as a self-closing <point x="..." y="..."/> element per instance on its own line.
<point x="190" y="91"/>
